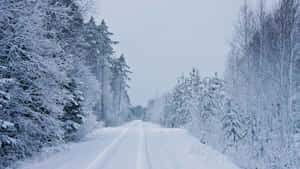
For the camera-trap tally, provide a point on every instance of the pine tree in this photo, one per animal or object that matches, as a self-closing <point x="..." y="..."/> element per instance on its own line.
<point x="232" y="124"/>
<point x="27" y="82"/>
<point x="104" y="72"/>
<point x="74" y="116"/>
<point x="120" y="77"/>
<point x="49" y="85"/>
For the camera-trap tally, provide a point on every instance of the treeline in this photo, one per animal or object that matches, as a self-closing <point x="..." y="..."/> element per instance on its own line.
<point x="202" y="106"/>
<point x="263" y="78"/>
<point x="59" y="76"/>
<point x="253" y="115"/>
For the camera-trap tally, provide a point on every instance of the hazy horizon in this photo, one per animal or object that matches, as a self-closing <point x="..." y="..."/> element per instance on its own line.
<point x="179" y="34"/>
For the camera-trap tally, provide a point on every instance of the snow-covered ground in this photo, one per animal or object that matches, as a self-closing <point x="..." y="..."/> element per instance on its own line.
<point x="136" y="145"/>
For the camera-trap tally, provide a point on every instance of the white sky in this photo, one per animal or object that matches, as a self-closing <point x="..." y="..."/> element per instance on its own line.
<point x="162" y="39"/>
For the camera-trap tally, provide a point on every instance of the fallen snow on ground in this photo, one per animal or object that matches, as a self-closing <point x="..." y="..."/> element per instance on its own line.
<point x="137" y="145"/>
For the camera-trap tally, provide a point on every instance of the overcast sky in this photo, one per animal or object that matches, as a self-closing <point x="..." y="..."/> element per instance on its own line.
<point x="162" y="39"/>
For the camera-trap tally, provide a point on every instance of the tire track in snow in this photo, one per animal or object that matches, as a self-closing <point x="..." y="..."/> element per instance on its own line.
<point x="143" y="161"/>
<point x="99" y="159"/>
<point x="140" y="147"/>
<point x="147" y="153"/>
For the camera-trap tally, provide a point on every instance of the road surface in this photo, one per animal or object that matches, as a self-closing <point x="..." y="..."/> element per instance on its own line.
<point x="136" y="145"/>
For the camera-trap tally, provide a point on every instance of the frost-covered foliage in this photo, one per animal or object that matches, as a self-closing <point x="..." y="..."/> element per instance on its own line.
<point x="232" y="123"/>
<point x="202" y="106"/>
<point x="253" y="116"/>
<point x="195" y="103"/>
<point x="112" y="73"/>
<point x="120" y="77"/>
<point x="194" y="100"/>
<point x="53" y="75"/>
<point x="263" y="78"/>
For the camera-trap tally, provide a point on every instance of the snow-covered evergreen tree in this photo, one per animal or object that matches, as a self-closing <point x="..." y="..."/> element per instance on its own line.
<point x="120" y="77"/>
<point x="232" y="124"/>
<point x="27" y="81"/>
<point x="178" y="111"/>
<point x="49" y="88"/>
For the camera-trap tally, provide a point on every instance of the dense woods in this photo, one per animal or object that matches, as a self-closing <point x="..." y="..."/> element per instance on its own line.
<point x="263" y="77"/>
<point x="59" y="76"/>
<point x="253" y="114"/>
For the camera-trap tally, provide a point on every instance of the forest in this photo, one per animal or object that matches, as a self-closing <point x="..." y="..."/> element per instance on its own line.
<point x="59" y="76"/>
<point x="60" y="79"/>
<point x="252" y="114"/>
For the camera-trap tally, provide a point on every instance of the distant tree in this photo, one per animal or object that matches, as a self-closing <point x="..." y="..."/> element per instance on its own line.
<point x="138" y="112"/>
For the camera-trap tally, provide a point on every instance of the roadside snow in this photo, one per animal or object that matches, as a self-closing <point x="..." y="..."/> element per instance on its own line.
<point x="137" y="145"/>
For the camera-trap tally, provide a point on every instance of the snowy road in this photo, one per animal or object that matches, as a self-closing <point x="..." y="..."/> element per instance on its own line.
<point x="137" y="145"/>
